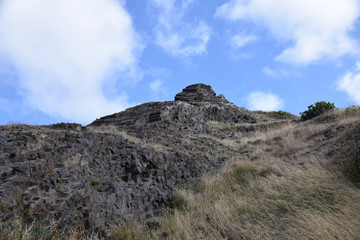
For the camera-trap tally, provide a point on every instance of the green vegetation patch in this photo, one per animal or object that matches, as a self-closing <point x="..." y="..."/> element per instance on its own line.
<point x="94" y="182"/>
<point x="180" y="201"/>
<point x="238" y="177"/>
<point x="282" y="113"/>
<point x="242" y="174"/>
<point x="349" y="167"/>
<point x="352" y="109"/>
<point x="197" y="186"/>
<point x="316" y="110"/>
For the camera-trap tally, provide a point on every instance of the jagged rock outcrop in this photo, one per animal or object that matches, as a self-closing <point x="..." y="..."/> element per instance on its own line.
<point x="101" y="178"/>
<point x="196" y="92"/>
<point x="121" y="166"/>
<point x="197" y="103"/>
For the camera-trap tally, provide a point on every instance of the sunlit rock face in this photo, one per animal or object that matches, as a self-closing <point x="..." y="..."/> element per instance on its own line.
<point x="122" y="166"/>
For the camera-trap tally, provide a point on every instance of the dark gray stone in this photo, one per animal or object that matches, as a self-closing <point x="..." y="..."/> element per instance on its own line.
<point x="196" y="92"/>
<point x="81" y="175"/>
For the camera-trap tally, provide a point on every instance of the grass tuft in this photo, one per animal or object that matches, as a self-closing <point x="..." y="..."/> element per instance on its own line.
<point x="180" y="201"/>
<point x="126" y="230"/>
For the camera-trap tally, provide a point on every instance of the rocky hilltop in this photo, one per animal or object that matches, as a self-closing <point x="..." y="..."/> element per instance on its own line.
<point x="121" y="166"/>
<point x="126" y="166"/>
<point x="196" y="104"/>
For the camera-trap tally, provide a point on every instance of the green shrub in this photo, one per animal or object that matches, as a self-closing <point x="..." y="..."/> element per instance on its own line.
<point x="352" y="109"/>
<point x="317" y="110"/>
<point x="281" y="113"/>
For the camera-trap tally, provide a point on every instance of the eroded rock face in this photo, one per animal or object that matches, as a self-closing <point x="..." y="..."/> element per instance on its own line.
<point x="89" y="179"/>
<point x="121" y="166"/>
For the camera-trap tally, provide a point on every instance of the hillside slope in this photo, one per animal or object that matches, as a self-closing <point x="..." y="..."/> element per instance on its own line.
<point x="298" y="180"/>
<point x="195" y="168"/>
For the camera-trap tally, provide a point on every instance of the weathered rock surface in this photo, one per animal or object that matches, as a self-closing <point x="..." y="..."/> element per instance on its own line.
<point x="196" y="104"/>
<point x="196" y="92"/>
<point x="121" y="166"/>
<point x="102" y="177"/>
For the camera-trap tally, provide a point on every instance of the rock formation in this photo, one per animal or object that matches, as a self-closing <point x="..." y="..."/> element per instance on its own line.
<point x="197" y="103"/>
<point x="121" y="166"/>
<point x="127" y="165"/>
<point x="196" y="92"/>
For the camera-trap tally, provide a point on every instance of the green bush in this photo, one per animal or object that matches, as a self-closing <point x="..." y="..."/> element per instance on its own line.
<point x="352" y="109"/>
<point x="282" y="113"/>
<point x="317" y="110"/>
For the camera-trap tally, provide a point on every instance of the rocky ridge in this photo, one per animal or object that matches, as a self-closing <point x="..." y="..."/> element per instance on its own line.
<point x="122" y="166"/>
<point x="126" y="166"/>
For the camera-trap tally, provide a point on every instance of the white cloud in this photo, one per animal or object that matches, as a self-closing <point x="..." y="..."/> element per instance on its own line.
<point x="240" y="40"/>
<point x="264" y="101"/>
<point x="316" y="29"/>
<point x="279" y="72"/>
<point x="176" y="36"/>
<point x="350" y="83"/>
<point x="156" y="85"/>
<point x="158" y="89"/>
<point x="65" y="52"/>
<point x="270" y="72"/>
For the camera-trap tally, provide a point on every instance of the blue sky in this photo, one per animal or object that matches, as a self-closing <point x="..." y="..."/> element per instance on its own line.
<point x="78" y="60"/>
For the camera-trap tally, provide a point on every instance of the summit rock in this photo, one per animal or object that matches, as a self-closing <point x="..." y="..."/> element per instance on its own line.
<point x="197" y="103"/>
<point x="196" y="92"/>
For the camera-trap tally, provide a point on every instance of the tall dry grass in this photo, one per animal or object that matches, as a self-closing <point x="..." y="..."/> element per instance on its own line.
<point x="289" y="192"/>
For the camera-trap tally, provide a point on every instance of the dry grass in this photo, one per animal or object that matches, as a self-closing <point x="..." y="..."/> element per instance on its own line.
<point x="115" y="131"/>
<point x="36" y="231"/>
<point x="287" y="193"/>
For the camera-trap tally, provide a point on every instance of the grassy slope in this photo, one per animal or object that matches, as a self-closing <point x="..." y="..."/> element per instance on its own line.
<point x="283" y="183"/>
<point x="284" y="186"/>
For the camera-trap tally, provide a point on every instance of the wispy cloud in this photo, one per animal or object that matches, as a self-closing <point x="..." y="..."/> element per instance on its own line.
<point x="240" y="40"/>
<point x="315" y="29"/>
<point x="175" y="35"/>
<point x="158" y="90"/>
<point x="156" y="85"/>
<point x="350" y="84"/>
<point x="66" y="53"/>
<point x="279" y="72"/>
<point x="264" y="101"/>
